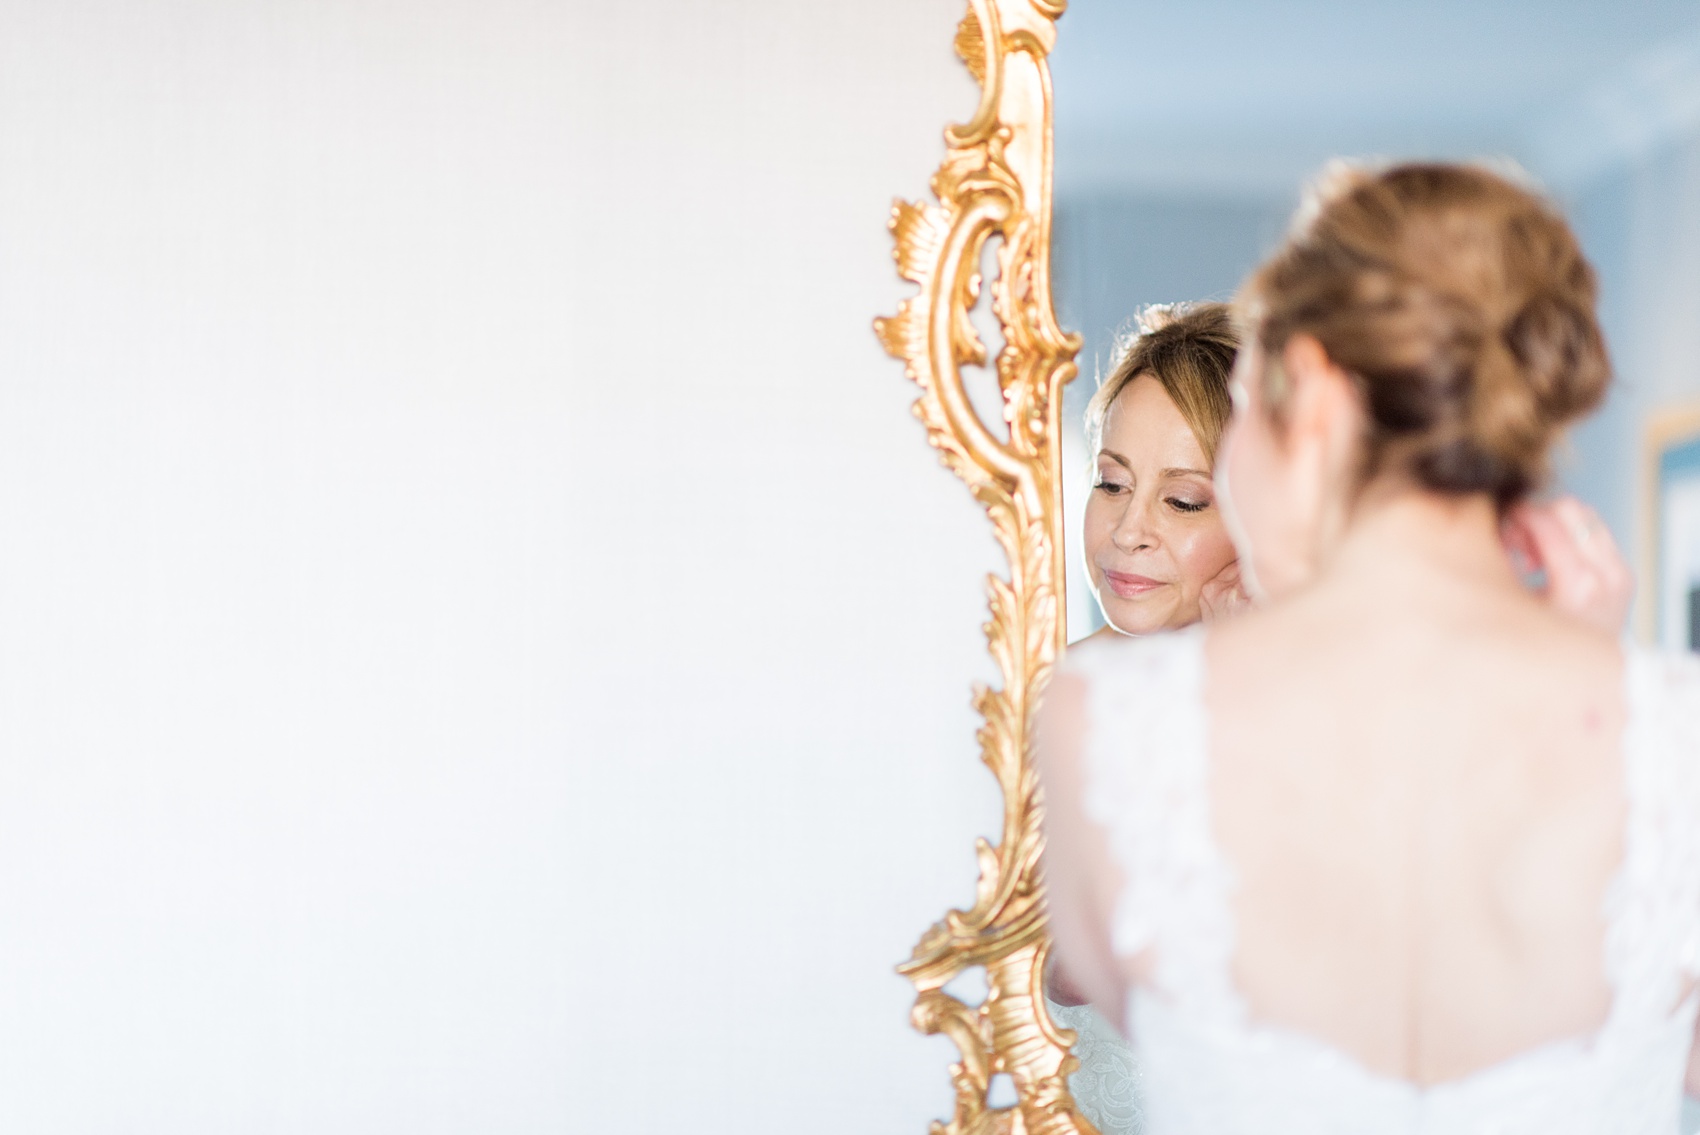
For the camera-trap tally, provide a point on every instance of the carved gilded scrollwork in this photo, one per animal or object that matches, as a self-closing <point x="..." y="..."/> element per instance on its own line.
<point x="995" y="181"/>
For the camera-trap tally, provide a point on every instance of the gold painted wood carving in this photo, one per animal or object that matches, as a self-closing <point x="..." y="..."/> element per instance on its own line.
<point x="995" y="182"/>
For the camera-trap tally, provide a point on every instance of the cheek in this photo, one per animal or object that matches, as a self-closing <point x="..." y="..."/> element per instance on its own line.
<point x="1097" y="526"/>
<point x="1203" y="552"/>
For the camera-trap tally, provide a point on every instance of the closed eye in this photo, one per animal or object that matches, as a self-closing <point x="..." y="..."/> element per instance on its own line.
<point x="1181" y="504"/>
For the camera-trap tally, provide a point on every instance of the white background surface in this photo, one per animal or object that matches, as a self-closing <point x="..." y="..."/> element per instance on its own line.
<point x="483" y="646"/>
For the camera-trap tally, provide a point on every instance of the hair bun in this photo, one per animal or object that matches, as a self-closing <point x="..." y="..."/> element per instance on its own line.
<point x="1557" y="345"/>
<point x="1465" y="307"/>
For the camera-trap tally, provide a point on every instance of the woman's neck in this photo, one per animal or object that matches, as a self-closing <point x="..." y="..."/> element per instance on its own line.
<point x="1405" y="534"/>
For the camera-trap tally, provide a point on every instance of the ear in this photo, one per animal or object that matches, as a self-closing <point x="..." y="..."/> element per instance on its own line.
<point x="1322" y="400"/>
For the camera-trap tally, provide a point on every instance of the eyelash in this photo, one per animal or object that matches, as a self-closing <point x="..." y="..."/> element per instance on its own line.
<point x="1177" y="503"/>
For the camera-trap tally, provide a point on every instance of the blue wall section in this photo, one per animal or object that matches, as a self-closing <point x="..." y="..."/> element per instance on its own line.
<point x="1118" y="252"/>
<point x="1599" y="464"/>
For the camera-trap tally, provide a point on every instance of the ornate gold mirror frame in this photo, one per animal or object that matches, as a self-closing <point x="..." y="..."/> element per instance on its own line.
<point x="995" y="181"/>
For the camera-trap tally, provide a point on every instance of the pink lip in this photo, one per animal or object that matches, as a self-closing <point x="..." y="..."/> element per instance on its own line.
<point x="1130" y="586"/>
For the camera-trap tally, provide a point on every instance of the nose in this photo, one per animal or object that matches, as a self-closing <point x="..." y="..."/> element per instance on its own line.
<point x="1135" y="531"/>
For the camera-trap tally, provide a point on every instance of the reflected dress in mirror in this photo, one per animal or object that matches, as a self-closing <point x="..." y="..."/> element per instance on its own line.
<point x="1159" y="559"/>
<point x="1108" y="1085"/>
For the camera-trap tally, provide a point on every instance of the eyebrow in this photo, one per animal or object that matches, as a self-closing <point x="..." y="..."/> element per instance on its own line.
<point x="1171" y="472"/>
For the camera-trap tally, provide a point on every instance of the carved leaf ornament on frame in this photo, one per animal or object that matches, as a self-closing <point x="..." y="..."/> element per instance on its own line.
<point x="995" y="182"/>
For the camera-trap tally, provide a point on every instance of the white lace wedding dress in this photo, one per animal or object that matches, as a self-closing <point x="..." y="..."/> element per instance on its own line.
<point x="1207" y="1068"/>
<point x="1108" y="1086"/>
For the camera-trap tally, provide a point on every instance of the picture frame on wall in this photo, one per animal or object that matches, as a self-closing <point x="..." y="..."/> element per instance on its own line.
<point x="1670" y="509"/>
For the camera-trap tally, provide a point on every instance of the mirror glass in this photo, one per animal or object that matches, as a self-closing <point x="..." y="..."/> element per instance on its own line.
<point x="1184" y="133"/>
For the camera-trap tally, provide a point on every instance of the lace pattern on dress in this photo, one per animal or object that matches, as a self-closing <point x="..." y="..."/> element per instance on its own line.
<point x="1653" y="909"/>
<point x="1146" y="768"/>
<point x="1207" y="1068"/>
<point x="1108" y="1086"/>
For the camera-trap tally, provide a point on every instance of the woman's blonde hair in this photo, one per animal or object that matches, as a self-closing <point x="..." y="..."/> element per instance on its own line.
<point x="1189" y="349"/>
<point x="1462" y="307"/>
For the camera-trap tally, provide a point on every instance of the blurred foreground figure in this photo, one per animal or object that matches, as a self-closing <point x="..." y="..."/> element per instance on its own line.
<point x="1406" y="847"/>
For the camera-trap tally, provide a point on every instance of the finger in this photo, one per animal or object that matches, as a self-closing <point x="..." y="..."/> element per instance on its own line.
<point x="1586" y="575"/>
<point x="1557" y="547"/>
<point x="1601" y="576"/>
<point x="1223" y="581"/>
<point x="1592" y="538"/>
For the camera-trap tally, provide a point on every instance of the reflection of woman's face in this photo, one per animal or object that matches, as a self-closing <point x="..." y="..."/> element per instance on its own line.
<point x="1154" y="537"/>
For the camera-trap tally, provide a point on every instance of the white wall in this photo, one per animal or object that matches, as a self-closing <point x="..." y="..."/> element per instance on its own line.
<point x="483" y="646"/>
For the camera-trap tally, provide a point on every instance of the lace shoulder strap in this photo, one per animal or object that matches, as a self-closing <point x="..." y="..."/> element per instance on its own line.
<point x="1146" y="784"/>
<point x="1655" y="907"/>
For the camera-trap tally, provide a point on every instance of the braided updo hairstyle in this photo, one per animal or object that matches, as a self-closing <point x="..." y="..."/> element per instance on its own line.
<point x="1462" y="307"/>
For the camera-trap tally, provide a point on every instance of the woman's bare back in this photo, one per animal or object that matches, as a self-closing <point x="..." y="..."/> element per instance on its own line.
<point x="1423" y="801"/>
